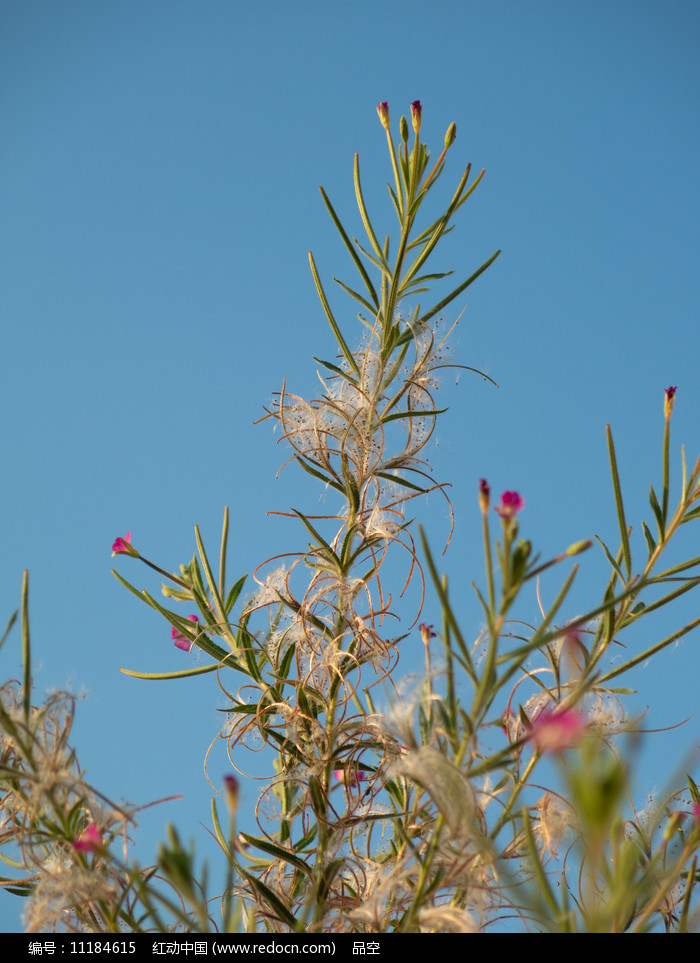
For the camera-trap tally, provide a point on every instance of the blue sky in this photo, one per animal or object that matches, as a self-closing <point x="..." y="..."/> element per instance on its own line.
<point x="160" y="175"/>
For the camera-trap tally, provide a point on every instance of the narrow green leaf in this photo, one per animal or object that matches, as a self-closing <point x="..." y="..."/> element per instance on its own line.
<point x="399" y="480"/>
<point x="321" y="540"/>
<point x="198" y="586"/>
<point x="658" y="514"/>
<point x="363" y="211"/>
<point x="317" y="797"/>
<point x="679" y="568"/>
<point x="213" y="588"/>
<point x="286" y="661"/>
<point x="624" y="534"/>
<point x="608" y="554"/>
<point x="279" y="853"/>
<point x="285" y="745"/>
<point x="664" y="600"/>
<point x="396" y="364"/>
<point x="351" y="489"/>
<point x="249" y="656"/>
<point x="272" y="899"/>
<point x="370" y="257"/>
<point x="180" y="674"/>
<point x="396" y="203"/>
<point x="424" y="278"/>
<point x="306" y="840"/>
<point x="224" y="548"/>
<point x="457" y="291"/>
<point x="426" y="233"/>
<point x="651" y="544"/>
<point x="217" y="828"/>
<point x="418" y="413"/>
<point x="437" y="233"/>
<point x="329" y="314"/>
<point x="689" y="516"/>
<point x="318" y="474"/>
<point x="335" y="369"/>
<point x="330" y="871"/>
<point x="358" y="297"/>
<point x="543" y="884"/>
<point x="348" y="244"/>
<point x="26" y="649"/>
<point x="234" y="593"/>
<point x="649" y="652"/>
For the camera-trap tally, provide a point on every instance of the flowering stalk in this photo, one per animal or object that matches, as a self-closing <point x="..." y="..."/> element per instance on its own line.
<point x="449" y="772"/>
<point x="670" y="395"/>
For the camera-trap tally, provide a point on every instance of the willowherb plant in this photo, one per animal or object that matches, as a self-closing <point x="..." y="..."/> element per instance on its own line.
<point x="439" y="814"/>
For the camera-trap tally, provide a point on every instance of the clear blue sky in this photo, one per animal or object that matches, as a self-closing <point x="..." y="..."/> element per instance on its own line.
<point x="160" y="170"/>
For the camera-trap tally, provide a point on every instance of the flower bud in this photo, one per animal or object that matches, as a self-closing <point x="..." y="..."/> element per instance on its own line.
<point x="416" y="111"/>
<point x="383" y="111"/>
<point x="668" y="402"/>
<point x="450" y="135"/>
<point x="231" y="787"/>
<point x="484" y="493"/>
<point x="426" y="632"/>
<point x="403" y="127"/>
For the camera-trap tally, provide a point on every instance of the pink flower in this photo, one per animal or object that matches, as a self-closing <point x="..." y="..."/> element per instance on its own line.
<point x="416" y="111"/>
<point x="511" y="504"/>
<point x="90" y="840"/>
<point x="350" y="777"/>
<point x="180" y="640"/>
<point x="556" y="730"/>
<point x="696" y="814"/>
<point x="122" y="546"/>
<point x="383" y="111"/>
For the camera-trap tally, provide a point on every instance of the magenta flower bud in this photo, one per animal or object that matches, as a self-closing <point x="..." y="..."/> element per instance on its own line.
<point x="180" y="641"/>
<point x="416" y="111"/>
<point x="90" y="840"/>
<point x="511" y="504"/>
<point x="383" y="111"/>
<point x="231" y="786"/>
<point x="668" y="401"/>
<point x="123" y="546"/>
<point x="450" y="135"/>
<point x="484" y="496"/>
